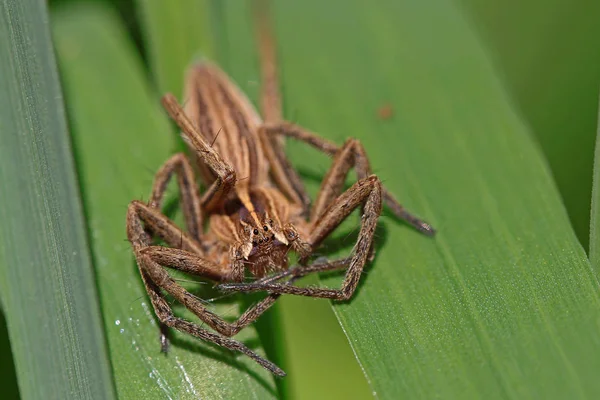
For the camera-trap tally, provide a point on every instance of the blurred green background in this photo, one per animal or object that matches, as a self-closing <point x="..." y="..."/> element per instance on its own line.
<point x="546" y="54"/>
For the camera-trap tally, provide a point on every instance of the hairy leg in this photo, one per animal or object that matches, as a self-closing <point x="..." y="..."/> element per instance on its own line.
<point x="225" y="174"/>
<point x="151" y="271"/>
<point x="188" y="259"/>
<point x="161" y="257"/>
<point x="294" y="131"/>
<point x="188" y="190"/>
<point x="367" y="193"/>
<point x="324" y="218"/>
<point x="295" y="272"/>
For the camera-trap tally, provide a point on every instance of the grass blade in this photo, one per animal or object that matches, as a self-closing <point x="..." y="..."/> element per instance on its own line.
<point x="46" y="278"/>
<point x="505" y="287"/>
<point x="175" y="34"/>
<point x="557" y="99"/>
<point x="595" y="213"/>
<point x="121" y="138"/>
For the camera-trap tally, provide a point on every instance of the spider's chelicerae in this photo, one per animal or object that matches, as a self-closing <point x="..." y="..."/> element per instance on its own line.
<point x="254" y="210"/>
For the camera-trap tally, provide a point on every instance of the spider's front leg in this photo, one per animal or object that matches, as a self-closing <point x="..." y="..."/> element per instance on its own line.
<point x="320" y="265"/>
<point x="225" y="180"/>
<point x="153" y="273"/>
<point x="151" y="261"/>
<point x="159" y="225"/>
<point x="144" y="221"/>
<point x="366" y="191"/>
<point x="330" y="210"/>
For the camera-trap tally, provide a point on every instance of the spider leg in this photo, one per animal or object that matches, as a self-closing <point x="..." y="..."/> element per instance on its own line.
<point x="155" y="277"/>
<point x="225" y="180"/>
<point x="367" y="193"/>
<point x="295" y="272"/>
<point x="145" y="221"/>
<point x="157" y="224"/>
<point x="152" y="273"/>
<point x="186" y="181"/>
<point x="294" y="131"/>
<point x="196" y="265"/>
<point x="328" y="212"/>
<point x="188" y="259"/>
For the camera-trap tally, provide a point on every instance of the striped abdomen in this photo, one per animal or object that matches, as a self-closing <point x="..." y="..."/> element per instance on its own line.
<point x="226" y="118"/>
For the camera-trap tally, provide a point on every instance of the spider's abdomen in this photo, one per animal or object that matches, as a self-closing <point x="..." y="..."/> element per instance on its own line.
<point x="227" y="120"/>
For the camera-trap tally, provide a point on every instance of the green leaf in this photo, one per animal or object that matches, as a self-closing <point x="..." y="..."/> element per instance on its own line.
<point x="175" y="33"/>
<point x="595" y="214"/>
<point x="121" y="138"/>
<point x="553" y="76"/>
<point x="502" y="303"/>
<point x="46" y="277"/>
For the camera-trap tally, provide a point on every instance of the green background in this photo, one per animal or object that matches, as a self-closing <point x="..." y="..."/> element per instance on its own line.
<point x="491" y="139"/>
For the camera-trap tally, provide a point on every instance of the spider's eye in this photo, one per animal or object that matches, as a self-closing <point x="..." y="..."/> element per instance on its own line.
<point x="265" y="228"/>
<point x="256" y="231"/>
<point x="271" y="222"/>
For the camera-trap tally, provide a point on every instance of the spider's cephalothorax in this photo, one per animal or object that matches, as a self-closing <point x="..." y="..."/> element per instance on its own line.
<point x="254" y="204"/>
<point x="256" y="235"/>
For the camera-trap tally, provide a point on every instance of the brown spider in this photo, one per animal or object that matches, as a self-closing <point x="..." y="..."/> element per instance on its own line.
<point x="254" y="207"/>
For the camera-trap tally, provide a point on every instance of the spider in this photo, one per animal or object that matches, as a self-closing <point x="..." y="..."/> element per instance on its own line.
<point x="254" y="210"/>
